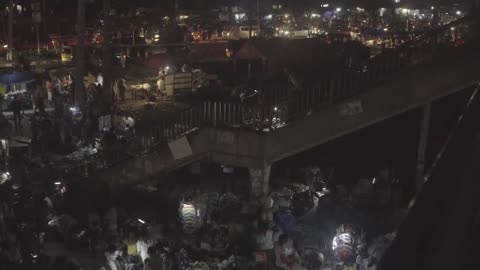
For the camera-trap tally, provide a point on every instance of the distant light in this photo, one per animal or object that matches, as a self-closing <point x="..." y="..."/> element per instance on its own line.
<point x="275" y="109"/>
<point x="325" y="5"/>
<point x="157" y="35"/>
<point x="167" y="67"/>
<point x="5" y="46"/>
<point x="432" y="7"/>
<point x="458" y="12"/>
<point x="141" y="221"/>
<point x="385" y="29"/>
<point x="453" y="28"/>
<point x="360" y="9"/>
<point x="286" y="16"/>
<point x="338" y="9"/>
<point x="58" y="183"/>
<point x="397" y="1"/>
<point x="374" y="180"/>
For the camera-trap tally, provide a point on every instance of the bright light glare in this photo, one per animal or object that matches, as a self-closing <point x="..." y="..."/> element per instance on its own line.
<point x="338" y="9"/>
<point x="141" y="221"/>
<point x="58" y="183"/>
<point x="458" y="12"/>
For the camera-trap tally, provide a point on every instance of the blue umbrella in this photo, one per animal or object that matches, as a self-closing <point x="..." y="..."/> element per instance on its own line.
<point x="16" y="77"/>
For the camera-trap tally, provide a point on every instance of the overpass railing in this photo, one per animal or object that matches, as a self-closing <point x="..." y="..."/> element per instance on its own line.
<point x="273" y="108"/>
<point x="280" y="106"/>
<point x="277" y="107"/>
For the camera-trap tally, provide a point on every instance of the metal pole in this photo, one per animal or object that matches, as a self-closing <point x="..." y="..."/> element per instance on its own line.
<point x="80" y="55"/>
<point x="38" y="38"/>
<point x="10" y="31"/>
<point x="107" y="54"/>
<point x="422" y="146"/>
<point x="258" y="17"/>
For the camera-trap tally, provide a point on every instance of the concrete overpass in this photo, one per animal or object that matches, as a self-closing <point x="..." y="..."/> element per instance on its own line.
<point x="392" y="84"/>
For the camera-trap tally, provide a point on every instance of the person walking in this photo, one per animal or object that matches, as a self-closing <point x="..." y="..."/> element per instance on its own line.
<point x="49" y="87"/>
<point x="17" y="112"/>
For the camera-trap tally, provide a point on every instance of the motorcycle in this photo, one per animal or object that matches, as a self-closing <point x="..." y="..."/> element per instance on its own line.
<point x="312" y="258"/>
<point x="348" y="243"/>
<point x="189" y="216"/>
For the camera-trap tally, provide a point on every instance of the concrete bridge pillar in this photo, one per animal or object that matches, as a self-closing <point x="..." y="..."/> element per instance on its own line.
<point x="259" y="180"/>
<point x="259" y="184"/>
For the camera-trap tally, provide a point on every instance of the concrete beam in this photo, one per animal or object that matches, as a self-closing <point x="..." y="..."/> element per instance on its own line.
<point x="410" y="89"/>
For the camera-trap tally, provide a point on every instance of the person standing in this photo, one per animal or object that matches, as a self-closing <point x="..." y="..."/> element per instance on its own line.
<point x="115" y="90"/>
<point x="286" y="257"/>
<point x="100" y="79"/>
<point x="49" y="87"/>
<point x="122" y="87"/>
<point x="161" y="82"/>
<point x="39" y="97"/>
<point x="265" y="243"/>
<point x="123" y="61"/>
<point x="17" y="112"/>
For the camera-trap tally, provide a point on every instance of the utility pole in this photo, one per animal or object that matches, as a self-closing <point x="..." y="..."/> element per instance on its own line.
<point x="258" y="17"/>
<point x="10" y="31"/>
<point x="107" y="54"/>
<point x="37" y="19"/>
<point x="79" y="93"/>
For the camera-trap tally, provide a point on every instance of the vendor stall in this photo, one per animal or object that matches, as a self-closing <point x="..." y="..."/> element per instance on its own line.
<point x="16" y="83"/>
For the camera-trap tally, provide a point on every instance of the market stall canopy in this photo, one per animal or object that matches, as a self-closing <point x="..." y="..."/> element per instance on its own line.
<point x="161" y="60"/>
<point x="140" y="73"/>
<point x="61" y="72"/>
<point x="209" y="52"/>
<point x="305" y="60"/>
<point x="16" y="78"/>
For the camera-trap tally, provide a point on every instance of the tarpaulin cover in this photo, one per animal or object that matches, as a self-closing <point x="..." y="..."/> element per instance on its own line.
<point x="16" y="77"/>
<point x="286" y="221"/>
